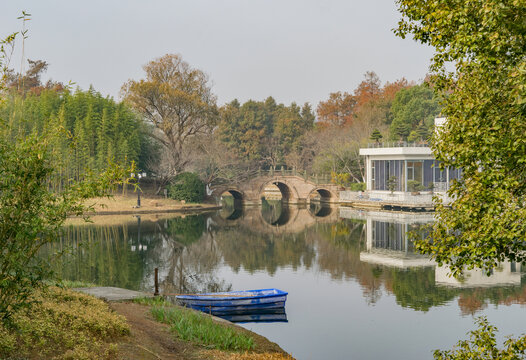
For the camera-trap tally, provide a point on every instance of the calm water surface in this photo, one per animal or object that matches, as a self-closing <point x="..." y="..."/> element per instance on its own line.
<point x="356" y="289"/>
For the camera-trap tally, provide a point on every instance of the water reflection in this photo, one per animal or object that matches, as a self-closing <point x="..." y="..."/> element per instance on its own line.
<point x="200" y="253"/>
<point x="266" y="316"/>
<point x="320" y="209"/>
<point x="275" y="212"/>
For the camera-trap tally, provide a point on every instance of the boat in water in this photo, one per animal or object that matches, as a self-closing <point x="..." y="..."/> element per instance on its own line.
<point x="224" y="303"/>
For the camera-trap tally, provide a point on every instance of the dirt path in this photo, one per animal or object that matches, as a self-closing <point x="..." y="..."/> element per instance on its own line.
<point x="151" y="340"/>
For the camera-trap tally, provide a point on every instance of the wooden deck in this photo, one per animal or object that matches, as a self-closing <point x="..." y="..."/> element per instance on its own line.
<point x="389" y="205"/>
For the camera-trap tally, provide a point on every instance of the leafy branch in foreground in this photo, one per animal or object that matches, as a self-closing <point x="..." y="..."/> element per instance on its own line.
<point x="485" y="104"/>
<point x="483" y="345"/>
<point x="31" y="215"/>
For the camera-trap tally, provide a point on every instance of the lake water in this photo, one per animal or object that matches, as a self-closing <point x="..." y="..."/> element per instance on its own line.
<point x="356" y="289"/>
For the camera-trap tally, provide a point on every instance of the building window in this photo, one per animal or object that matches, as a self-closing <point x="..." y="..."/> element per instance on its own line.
<point x="414" y="171"/>
<point x="373" y="175"/>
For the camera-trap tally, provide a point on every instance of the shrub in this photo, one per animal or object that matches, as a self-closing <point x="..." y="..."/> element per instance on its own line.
<point x="357" y="186"/>
<point x="483" y="345"/>
<point x="65" y="325"/>
<point x="188" y="187"/>
<point x="392" y="183"/>
<point x="413" y="185"/>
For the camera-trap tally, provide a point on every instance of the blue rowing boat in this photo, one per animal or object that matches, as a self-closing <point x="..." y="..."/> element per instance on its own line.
<point x="235" y="301"/>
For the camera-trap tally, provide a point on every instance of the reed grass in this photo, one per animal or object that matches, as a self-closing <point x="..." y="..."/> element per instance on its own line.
<point x="197" y="327"/>
<point x="156" y="300"/>
<point x="74" y="284"/>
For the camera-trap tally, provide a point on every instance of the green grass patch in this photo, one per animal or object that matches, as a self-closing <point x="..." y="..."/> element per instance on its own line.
<point x="73" y="284"/>
<point x="156" y="300"/>
<point x="63" y="324"/>
<point x="197" y="327"/>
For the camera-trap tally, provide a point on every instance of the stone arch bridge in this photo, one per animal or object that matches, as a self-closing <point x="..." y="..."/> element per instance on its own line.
<point x="295" y="189"/>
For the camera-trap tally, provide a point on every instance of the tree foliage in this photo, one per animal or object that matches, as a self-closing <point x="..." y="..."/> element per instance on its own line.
<point x="95" y="131"/>
<point x="264" y="132"/>
<point x="187" y="186"/>
<point x="32" y="214"/>
<point x="411" y="108"/>
<point x="483" y="345"/>
<point x="485" y="103"/>
<point x="32" y="211"/>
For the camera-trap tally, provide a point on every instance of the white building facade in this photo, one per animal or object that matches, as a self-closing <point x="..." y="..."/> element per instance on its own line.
<point x="399" y="171"/>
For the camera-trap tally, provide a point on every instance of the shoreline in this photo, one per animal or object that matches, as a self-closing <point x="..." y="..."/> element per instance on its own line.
<point x="139" y="211"/>
<point x="127" y="205"/>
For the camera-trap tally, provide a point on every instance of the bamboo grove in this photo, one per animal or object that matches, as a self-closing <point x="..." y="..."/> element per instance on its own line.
<point x="86" y="130"/>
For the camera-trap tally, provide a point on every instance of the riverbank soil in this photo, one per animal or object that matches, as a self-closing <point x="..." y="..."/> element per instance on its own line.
<point x="150" y="339"/>
<point x="127" y="204"/>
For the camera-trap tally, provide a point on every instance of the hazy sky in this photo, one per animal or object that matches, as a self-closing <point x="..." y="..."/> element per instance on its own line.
<point x="293" y="50"/>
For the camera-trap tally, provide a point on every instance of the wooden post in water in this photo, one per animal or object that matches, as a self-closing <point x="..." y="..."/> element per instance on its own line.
<point x="156" y="280"/>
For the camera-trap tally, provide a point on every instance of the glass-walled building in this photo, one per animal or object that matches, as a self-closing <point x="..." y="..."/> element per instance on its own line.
<point x="423" y="173"/>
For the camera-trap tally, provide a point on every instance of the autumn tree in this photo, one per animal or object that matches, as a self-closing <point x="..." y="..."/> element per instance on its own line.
<point x="177" y="99"/>
<point x="339" y="153"/>
<point x="338" y="110"/>
<point x="376" y="112"/>
<point x="216" y="163"/>
<point x="368" y="90"/>
<point x="479" y="68"/>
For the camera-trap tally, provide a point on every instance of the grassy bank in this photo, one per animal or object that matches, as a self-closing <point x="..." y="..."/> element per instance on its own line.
<point x="63" y="324"/>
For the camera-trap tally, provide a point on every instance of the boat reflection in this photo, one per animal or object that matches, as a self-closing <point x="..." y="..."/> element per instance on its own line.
<point x="262" y="316"/>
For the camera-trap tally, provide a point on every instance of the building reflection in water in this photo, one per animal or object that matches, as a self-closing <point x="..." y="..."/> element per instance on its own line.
<point x="388" y="244"/>
<point x="506" y="274"/>
<point x="387" y="241"/>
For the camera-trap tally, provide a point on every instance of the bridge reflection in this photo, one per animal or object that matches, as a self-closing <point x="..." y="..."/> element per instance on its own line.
<point x="274" y="216"/>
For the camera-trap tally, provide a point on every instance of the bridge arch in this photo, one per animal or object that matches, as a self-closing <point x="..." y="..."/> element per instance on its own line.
<point x="323" y="194"/>
<point x="236" y="194"/>
<point x="288" y="191"/>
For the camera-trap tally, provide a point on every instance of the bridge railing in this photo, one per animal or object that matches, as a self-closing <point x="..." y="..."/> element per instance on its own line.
<point x="315" y="178"/>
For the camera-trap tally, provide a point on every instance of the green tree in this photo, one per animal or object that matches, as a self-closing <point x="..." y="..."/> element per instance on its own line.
<point x="246" y="128"/>
<point x="485" y="105"/>
<point x="412" y="106"/>
<point x="376" y="135"/>
<point x="32" y="215"/>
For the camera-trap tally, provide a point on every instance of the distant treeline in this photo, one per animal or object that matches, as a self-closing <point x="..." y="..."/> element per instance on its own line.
<point x="90" y="130"/>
